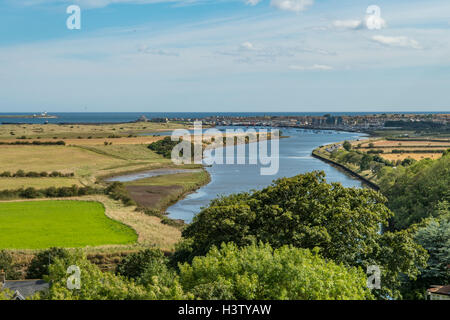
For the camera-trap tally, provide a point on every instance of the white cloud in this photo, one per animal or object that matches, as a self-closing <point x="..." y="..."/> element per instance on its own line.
<point x="404" y="42"/>
<point x="370" y="22"/>
<point x="292" y="5"/>
<point x="252" y="2"/>
<point x="313" y="67"/>
<point x="373" y="22"/>
<point x="348" y="24"/>
<point x="247" y="46"/>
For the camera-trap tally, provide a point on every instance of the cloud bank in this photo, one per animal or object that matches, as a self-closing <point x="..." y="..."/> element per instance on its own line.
<point x="292" y="5"/>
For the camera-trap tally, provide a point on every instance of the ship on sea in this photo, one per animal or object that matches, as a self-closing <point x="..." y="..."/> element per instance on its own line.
<point x="44" y="115"/>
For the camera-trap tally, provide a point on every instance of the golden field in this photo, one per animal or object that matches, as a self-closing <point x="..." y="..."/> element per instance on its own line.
<point x="75" y="131"/>
<point x="415" y="156"/>
<point x="388" y="146"/>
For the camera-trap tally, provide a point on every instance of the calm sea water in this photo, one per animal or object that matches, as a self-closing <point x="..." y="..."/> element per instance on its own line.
<point x="295" y="158"/>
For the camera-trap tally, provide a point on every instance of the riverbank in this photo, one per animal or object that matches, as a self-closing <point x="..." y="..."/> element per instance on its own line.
<point x="345" y="169"/>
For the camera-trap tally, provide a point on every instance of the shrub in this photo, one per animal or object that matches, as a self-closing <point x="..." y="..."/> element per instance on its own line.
<point x="38" y="267"/>
<point x="6" y="264"/>
<point x="347" y="146"/>
<point x="134" y="265"/>
<point x="117" y="191"/>
<point x="20" y="173"/>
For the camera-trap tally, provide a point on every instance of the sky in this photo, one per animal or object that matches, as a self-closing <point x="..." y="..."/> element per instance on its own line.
<point x="225" y="55"/>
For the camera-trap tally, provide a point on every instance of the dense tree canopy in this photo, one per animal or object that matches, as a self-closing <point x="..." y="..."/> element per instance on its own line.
<point x="306" y="212"/>
<point x="434" y="236"/>
<point x="414" y="192"/>
<point x="260" y="272"/>
<point x="98" y="285"/>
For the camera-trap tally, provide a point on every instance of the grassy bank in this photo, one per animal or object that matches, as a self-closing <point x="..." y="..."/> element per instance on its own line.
<point x="42" y="224"/>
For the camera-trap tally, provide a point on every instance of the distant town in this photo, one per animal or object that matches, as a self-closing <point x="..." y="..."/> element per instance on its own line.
<point x="360" y="123"/>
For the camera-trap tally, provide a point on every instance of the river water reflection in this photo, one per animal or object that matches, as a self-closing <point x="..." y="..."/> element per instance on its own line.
<point x="295" y="158"/>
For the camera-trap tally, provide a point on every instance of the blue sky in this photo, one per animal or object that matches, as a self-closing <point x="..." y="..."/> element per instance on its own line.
<point x="225" y="55"/>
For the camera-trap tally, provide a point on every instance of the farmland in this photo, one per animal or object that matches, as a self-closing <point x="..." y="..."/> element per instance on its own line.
<point x="42" y="224"/>
<point x="400" y="149"/>
<point x="82" y="131"/>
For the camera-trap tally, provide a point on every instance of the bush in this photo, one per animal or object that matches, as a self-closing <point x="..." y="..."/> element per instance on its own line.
<point x="6" y="264"/>
<point x="117" y="191"/>
<point x="6" y="174"/>
<point x="20" y="173"/>
<point x="38" y="267"/>
<point x="164" y="147"/>
<point x="134" y="265"/>
<point x="347" y="146"/>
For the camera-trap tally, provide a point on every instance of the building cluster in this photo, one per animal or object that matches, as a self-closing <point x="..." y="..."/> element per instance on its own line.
<point x="328" y="121"/>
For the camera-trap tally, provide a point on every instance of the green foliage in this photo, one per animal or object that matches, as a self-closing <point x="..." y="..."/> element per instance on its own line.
<point x="7" y="265"/>
<point x="5" y="294"/>
<point x="38" y="267"/>
<point x="365" y="162"/>
<point x="34" y="143"/>
<point x="347" y="146"/>
<point x="98" y="285"/>
<point x="414" y="192"/>
<point x="260" y="272"/>
<point x="51" y="192"/>
<point x="165" y="146"/>
<point x="118" y="191"/>
<point x="434" y="236"/>
<point x="134" y="265"/>
<point x="306" y="212"/>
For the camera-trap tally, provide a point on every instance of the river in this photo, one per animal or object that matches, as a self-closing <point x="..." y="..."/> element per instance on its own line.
<point x="294" y="156"/>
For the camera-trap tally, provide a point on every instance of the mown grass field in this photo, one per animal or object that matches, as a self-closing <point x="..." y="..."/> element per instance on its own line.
<point x="60" y="223"/>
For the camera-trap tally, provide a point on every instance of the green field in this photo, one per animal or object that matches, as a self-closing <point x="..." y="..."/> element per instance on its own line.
<point x="43" y="224"/>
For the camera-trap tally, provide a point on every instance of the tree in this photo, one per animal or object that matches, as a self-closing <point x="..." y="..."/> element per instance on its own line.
<point x="347" y="146"/>
<point x="306" y="212"/>
<point x="98" y="285"/>
<point x="260" y="272"/>
<point x="134" y="265"/>
<point x="39" y="265"/>
<point x="434" y="236"/>
<point x="7" y="265"/>
<point x="414" y="192"/>
<point x="365" y="162"/>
